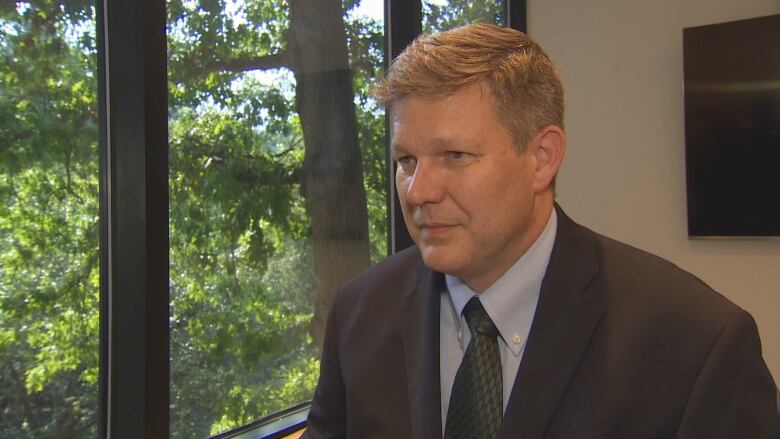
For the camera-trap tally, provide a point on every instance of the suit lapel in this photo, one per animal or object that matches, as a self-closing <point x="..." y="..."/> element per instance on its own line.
<point x="420" y="311"/>
<point x="566" y="316"/>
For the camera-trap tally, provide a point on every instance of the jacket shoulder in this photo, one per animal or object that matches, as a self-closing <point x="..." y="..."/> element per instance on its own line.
<point x="400" y="271"/>
<point x="649" y="279"/>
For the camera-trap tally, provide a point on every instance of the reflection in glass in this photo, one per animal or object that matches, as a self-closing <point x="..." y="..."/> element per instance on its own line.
<point x="49" y="262"/>
<point x="441" y="15"/>
<point x="278" y="195"/>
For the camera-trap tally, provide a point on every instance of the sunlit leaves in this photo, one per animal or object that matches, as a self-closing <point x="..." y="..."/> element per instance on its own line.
<point x="236" y="208"/>
<point x="48" y="220"/>
<point x="441" y="15"/>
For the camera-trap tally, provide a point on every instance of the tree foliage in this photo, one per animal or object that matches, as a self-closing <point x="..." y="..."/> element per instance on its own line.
<point x="444" y="15"/>
<point x="48" y="221"/>
<point x="242" y="232"/>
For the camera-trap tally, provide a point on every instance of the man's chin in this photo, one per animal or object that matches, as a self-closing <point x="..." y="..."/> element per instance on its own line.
<point x="441" y="260"/>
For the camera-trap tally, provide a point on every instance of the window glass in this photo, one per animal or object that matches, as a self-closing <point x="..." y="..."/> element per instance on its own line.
<point x="278" y="195"/>
<point x="49" y="261"/>
<point x="440" y="15"/>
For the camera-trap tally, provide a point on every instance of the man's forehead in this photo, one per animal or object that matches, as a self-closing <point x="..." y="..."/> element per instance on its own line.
<point x="482" y="87"/>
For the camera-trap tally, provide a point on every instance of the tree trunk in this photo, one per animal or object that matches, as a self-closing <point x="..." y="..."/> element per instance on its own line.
<point x="332" y="167"/>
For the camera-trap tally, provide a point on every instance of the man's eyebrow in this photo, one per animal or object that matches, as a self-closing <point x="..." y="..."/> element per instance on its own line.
<point x="453" y="141"/>
<point x="439" y="143"/>
<point x="396" y="147"/>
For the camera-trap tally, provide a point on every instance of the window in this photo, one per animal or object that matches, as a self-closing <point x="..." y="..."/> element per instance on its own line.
<point x="278" y="195"/>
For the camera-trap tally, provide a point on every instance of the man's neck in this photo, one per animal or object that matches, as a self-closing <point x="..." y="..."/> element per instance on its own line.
<point x="539" y="218"/>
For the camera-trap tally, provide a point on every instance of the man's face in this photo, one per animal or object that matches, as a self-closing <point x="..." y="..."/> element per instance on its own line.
<point x="466" y="192"/>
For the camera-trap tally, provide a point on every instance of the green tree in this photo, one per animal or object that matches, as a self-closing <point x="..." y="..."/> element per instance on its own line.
<point x="269" y="207"/>
<point x="253" y="165"/>
<point x="48" y="221"/>
<point x="443" y="15"/>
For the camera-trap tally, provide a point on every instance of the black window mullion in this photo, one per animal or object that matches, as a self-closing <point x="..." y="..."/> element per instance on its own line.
<point x="517" y="14"/>
<point x="104" y="214"/>
<point x="403" y="23"/>
<point x="134" y="216"/>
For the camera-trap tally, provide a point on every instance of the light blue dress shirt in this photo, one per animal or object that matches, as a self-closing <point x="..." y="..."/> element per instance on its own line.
<point x="510" y="302"/>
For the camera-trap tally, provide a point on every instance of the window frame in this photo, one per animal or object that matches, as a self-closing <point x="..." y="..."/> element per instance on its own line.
<point x="134" y="293"/>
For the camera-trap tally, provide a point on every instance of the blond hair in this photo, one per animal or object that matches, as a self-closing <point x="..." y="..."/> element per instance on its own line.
<point x="525" y="83"/>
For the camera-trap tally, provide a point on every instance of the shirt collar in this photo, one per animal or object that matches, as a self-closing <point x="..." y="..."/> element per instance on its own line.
<point x="511" y="300"/>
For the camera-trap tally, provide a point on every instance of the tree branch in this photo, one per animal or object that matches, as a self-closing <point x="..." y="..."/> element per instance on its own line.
<point x="239" y="64"/>
<point x="292" y="146"/>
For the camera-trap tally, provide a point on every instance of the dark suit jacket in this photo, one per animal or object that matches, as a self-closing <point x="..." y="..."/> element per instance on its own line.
<point x="623" y="345"/>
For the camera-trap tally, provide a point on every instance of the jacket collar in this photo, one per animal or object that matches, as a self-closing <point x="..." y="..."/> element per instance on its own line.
<point x="566" y="316"/>
<point x="420" y="311"/>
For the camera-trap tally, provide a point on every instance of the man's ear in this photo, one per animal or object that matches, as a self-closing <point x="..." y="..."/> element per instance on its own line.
<point x="549" y="147"/>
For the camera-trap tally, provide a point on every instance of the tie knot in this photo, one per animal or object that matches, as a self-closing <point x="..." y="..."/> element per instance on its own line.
<point x="478" y="319"/>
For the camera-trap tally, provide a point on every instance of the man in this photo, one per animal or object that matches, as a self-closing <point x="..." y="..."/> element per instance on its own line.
<point x="507" y="319"/>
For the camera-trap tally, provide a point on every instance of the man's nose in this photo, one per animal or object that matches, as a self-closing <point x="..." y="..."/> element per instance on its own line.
<point x="426" y="185"/>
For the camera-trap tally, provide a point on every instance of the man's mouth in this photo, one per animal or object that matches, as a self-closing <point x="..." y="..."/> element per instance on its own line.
<point x="435" y="229"/>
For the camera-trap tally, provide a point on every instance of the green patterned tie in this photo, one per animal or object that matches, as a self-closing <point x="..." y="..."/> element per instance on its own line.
<point x="476" y="403"/>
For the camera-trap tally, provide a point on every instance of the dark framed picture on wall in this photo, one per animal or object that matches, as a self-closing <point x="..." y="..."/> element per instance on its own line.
<point x="732" y="128"/>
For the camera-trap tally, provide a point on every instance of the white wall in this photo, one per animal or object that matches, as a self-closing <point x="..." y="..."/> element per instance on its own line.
<point x="624" y="173"/>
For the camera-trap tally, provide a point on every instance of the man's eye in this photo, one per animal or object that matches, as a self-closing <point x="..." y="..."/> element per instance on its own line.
<point x="457" y="155"/>
<point x="405" y="162"/>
